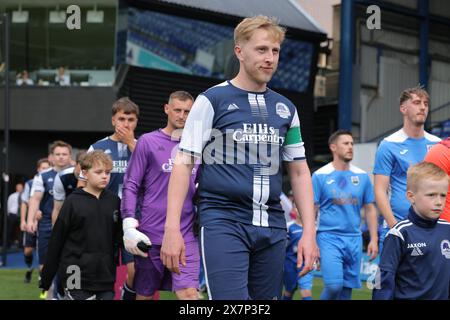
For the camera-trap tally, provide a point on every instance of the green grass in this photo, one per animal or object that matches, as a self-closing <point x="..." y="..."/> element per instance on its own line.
<point x="12" y="287"/>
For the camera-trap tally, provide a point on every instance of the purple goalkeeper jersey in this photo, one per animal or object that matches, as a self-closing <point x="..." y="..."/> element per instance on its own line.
<point x="146" y="182"/>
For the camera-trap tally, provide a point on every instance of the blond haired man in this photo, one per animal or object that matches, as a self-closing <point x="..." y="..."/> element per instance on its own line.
<point x="243" y="130"/>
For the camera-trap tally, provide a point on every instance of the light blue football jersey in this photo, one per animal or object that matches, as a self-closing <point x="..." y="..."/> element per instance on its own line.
<point x="340" y="196"/>
<point x="394" y="156"/>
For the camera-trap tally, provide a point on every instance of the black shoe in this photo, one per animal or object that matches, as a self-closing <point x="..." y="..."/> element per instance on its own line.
<point x="28" y="276"/>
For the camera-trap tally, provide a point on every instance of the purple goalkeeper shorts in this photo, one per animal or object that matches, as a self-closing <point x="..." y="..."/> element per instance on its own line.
<point x="151" y="275"/>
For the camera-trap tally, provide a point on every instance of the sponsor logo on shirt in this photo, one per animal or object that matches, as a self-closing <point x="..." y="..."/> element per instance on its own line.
<point x="256" y="133"/>
<point x="282" y="110"/>
<point x="429" y="146"/>
<point x="417" y="245"/>
<point x="168" y="166"/>
<point x="404" y="151"/>
<point x="119" y="166"/>
<point x="445" y="248"/>
<point x="344" y="201"/>
<point x="355" y="180"/>
<point x="330" y="181"/>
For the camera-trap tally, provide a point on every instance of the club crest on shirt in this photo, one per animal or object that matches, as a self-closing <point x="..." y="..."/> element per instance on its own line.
<point x="355" y="180"/>
<point x="282" y="110"/>
<point x="445" y="248"/>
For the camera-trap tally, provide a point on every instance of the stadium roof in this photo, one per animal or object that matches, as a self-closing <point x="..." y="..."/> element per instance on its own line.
<point x="289" y="12"/>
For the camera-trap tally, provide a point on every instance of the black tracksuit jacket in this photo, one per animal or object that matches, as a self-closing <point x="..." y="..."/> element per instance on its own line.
<point x="86" y="235"/>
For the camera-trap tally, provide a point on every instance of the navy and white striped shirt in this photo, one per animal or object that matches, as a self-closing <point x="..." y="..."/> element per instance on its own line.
<point x="243" y="137"/>
<point x="65" y="183"/>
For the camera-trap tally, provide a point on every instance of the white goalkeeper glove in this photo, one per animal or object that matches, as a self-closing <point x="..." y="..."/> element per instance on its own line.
<point x="131" y="237"/>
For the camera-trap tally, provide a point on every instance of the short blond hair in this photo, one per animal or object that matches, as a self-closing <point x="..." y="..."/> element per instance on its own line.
<point x="423" y="171"/>
<point x="96" y="156"/>
<point x="245" y="29"/>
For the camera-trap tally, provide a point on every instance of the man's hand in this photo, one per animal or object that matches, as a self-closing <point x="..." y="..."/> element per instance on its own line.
<point x="23" y="226"/>
<point x="31" y="226"/>
<point x="131" y="237"/>
<point x="308" y="252"/>
<point x="38" y="215"/>
<point x="372" y="249"/>
<point x="173" y="250"/>
<point x="125" y="135"/>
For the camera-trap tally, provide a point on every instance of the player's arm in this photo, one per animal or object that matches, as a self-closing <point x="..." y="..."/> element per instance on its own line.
<point x="59" y="195"/>
<point x="132" y="182"/>
<point x="370" y="213"/>
<point x="384" y="286"/>
<point x="33" y="208"/>
<point x="25" y="197"/>
<point x="301" y="183"/>
<point x="23" y="216"/>
<point x="57" y="205"/>
<point x="173" y="248"/>
<point x="382" y="199"/>
<point x="371" y="217"/>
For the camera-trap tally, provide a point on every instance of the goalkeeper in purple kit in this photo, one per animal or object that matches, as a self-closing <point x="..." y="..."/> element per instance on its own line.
<point x="145" y="184"/>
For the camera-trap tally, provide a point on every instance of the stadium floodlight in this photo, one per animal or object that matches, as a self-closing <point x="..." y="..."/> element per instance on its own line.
<point x="57" y="16"/>
<point x="94" y="16"/>
<point x="20" y="16"/>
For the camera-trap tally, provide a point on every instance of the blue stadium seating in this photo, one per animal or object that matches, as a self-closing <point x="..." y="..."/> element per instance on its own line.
<point x="177" y="39"/>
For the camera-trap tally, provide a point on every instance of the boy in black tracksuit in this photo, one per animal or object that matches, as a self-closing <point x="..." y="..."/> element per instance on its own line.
<point x="84" y="239"/>
<point x="415" y="262"/>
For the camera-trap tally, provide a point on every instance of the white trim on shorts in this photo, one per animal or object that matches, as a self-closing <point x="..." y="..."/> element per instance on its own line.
<point x="204" y="262"/>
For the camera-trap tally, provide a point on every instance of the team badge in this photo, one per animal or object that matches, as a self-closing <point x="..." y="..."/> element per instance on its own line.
<point x="282" y="110"/>
<point x="355" y="180"/>
<point x="445" y="248"/>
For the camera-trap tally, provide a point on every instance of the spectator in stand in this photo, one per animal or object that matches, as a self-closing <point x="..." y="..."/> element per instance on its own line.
<point x="23" y="79"/>
<point x="62" y="78"/>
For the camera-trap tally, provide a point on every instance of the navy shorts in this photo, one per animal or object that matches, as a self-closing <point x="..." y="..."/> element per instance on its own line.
<point x="29" y="240"/>
<point x="242" y="261"/>
<point x="126" y="257"/>
<point x="44" y="234"/>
